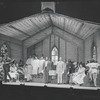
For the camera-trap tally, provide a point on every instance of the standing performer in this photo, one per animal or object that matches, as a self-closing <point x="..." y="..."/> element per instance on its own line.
<point x="41" y="65"/>
<point x="1" y="69"/>
<point x="70" y="67"/>
<point x="60" y="70"/>
<point x="93" y="71"/>
<point x="6" y="67"/>
<point x="47" y="67"/>
<point x="35" y="65"/>
<point x="29" y="69"/>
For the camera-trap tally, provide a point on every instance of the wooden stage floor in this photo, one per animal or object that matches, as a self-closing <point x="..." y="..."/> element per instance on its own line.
<point x="52" y="85"/>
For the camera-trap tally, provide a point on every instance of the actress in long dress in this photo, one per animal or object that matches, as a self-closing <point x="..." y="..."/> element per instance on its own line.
<point x="78" y="77"/>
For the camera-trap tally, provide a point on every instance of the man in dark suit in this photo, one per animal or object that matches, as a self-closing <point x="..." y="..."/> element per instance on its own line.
<point x="6" y="67"/>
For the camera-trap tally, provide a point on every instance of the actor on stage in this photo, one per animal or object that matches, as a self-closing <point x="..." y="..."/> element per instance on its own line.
<point x="13" y="70"/>
<point x="78" y="77"/>
<point x="6" y="67"/>
<point x="1" y="69"/>
<point x="41" y="65"/>
<point x="60" y="70"/>
<point x="29" y="69"/>
<point x="47" y="67"/>
<point x="93" y="71"/>
<point x="35" y="65"/>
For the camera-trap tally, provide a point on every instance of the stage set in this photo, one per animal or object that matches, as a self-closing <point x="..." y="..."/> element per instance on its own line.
<point x="49" y="54"/>
<point x="68" y="86"/>
<point x="29" y="90"/>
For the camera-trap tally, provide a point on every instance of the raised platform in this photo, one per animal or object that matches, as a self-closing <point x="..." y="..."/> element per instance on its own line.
<point x="41" y="91"/>
<point x="52" y="85"/>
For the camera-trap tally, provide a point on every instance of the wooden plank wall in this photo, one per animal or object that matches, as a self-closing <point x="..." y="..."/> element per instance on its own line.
<point x="66" y="49"/>
<point x="15" y="46"/>
<point x="88" y="43"/>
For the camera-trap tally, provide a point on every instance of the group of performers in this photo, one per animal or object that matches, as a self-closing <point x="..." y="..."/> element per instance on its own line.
<point x="34" y="67"/>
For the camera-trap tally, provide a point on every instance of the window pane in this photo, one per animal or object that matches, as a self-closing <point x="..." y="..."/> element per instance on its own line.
<point x="54" y="56"/>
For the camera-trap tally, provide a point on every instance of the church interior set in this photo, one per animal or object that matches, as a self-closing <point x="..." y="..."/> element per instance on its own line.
<point x="50" y="48"/>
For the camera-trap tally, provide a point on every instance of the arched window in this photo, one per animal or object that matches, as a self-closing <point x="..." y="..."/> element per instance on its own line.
<point x="94" y="51"/>
<point x="54" y="55"/>
<point x="4" y="50"/>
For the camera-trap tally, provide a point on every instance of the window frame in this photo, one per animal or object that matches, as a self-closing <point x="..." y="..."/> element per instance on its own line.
<point x="55" y="55"/>
<point x="92" y="50"/>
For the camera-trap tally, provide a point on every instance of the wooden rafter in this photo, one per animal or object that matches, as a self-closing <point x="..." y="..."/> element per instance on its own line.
<point x="69" y="32"/>
<point x="18" y="30"/>
<point x="39" y="40"/>
<point x="36" y="33"/>
<point x="78" y="32"/>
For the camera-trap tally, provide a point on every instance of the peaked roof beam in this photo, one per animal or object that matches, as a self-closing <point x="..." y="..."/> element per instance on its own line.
<point x="50" y="19"/>
<point x="78" y="32"/>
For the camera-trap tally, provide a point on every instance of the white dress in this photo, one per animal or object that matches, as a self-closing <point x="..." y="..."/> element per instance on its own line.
<point x="78" y="77"/>
<point x="35" y="65"/>
<point x="93" y="67"/>
<point x="41" y="65"/>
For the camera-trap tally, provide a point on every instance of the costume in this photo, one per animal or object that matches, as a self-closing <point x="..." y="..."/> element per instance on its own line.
<point x="46" y="71"/>
<point x="1" y="71"/>
<point x="60" y="70"/>
<point x="28" y="69"/>
<point x="93" y="71"/>
<point x="78" y="77"/>
<point x="35" y="65"/>
<point x="6" y="67"/>
<point x="41" y="65"/>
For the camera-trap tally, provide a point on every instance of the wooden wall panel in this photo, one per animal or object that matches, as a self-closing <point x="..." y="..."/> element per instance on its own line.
<point x="62" y="49"/>
<point x="88" y="43"/>
<point x="16" y="51"/>
<point x="52" y="41"/>
<point x="66" y="50"/>
<point x="46" y="47"/>
<point x="15" y="46"/>
<point x="98" y="45"/>
<point x="38" y="49"/>
<point x="71" y="52"/>
<point x="56" y="40"/>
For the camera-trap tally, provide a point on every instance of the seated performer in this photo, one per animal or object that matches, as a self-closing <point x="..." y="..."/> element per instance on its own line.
<point x="13" y="71"/>
<point x="78" y="77"/>
<point x="93" y="71"/>
<point x="60" y="70"/>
